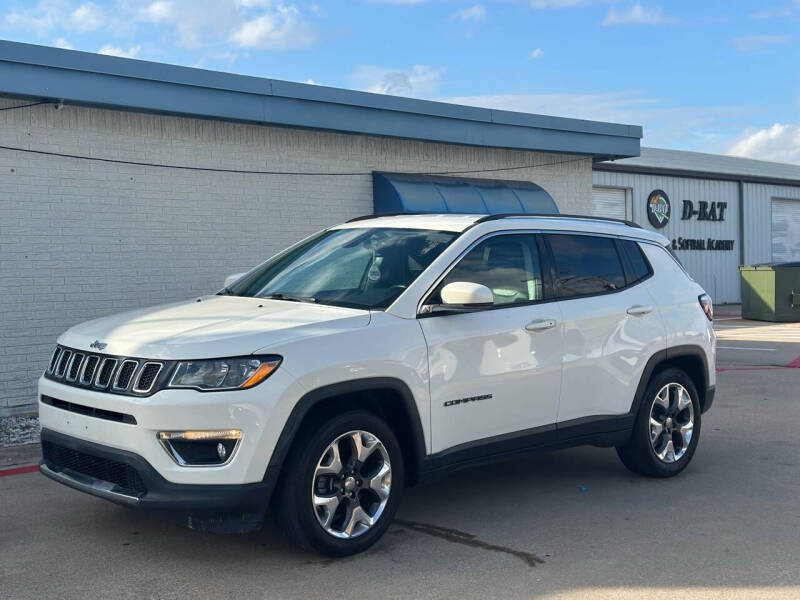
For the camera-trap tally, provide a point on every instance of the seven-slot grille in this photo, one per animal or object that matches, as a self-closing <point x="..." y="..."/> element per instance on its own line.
<point x="102" y="372"/>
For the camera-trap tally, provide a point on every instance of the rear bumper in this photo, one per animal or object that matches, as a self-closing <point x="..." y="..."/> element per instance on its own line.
<point x="222" y="508"/>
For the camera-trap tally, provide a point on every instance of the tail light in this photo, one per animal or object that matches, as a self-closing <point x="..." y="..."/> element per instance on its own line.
<point x="707" y="305"/>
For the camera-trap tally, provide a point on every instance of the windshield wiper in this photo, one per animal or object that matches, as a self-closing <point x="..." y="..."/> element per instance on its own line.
<point x="225" y="292"/>
<point x="289" y="297"/>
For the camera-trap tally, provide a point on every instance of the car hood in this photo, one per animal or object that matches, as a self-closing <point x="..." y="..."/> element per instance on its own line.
<point x="211" y="326"/>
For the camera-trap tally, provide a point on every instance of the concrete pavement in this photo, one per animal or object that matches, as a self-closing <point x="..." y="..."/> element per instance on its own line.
<point x="569" y="524"/>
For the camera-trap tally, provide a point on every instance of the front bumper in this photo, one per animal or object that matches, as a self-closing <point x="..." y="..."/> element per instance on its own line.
<point x="128" y="479"/>
<point x="131" y="424"/>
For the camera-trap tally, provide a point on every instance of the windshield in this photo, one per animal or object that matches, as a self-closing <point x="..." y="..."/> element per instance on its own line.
<point x="360" y="268"/>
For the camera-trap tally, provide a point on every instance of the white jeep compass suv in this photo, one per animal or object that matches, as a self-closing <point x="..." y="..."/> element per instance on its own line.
<point x="374" y="353"/>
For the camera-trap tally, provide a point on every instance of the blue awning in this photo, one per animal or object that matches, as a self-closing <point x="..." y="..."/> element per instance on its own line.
<point x="398" y="193"/>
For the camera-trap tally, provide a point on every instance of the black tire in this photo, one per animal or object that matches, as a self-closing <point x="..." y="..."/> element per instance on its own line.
<point x="638" y="453"/>
<point x="294" y="507"/>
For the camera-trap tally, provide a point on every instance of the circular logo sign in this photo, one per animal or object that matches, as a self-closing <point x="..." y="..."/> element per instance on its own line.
<point x="658" y="209"/>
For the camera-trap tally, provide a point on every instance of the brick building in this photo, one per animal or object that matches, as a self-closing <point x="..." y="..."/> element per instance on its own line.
<point x="81" y="238"/>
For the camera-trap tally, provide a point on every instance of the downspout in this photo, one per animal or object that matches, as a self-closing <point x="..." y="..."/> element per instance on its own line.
<point x="741" y="222"/>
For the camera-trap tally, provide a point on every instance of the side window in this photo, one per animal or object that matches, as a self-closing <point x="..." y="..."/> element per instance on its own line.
<point x="585" y="265"/>
<point x="640" y="269"/>
<point x="507" y="264"/>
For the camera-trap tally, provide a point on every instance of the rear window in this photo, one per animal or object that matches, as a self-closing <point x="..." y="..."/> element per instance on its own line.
<point x="585" y="265"/>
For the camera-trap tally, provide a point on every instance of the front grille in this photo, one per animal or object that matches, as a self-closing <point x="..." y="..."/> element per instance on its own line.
<point x="106" y="371"/>
<point x="147" y="377"/>
<point x="125" y="374"/>
<point x="75" y="366"/>
<point x="100" y="413"/>
<point x="62" y="362"/>
<point x="54" y="359"/>
<point x="124" y="476"/>
<point x="88" y="370"/>
<point x="114" y="374"/>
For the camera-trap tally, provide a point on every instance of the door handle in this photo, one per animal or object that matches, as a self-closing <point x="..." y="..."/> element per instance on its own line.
<point x="540" y="324"/>
<point x="638" y="310"/>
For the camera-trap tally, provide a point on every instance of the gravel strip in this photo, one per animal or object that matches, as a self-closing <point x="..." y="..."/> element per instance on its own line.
<point x="18" y="430"/>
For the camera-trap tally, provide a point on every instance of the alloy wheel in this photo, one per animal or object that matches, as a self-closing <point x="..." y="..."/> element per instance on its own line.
<point x="352" y="483"/>
<point x="671" y="422"/>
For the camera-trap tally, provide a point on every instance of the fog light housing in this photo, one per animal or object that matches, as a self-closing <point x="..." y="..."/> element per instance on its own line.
<point x="201" y="448"/>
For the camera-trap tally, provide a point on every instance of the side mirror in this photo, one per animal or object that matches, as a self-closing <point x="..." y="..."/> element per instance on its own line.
<point x="466" y="295"/>
<point x="231" y="279"/>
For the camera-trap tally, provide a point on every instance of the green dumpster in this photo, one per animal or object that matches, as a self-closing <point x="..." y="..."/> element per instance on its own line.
<point x="771" y="292"/>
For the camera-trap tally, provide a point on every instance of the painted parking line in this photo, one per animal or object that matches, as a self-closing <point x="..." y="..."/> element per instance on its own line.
<point x="742" y="348"/>
<point x="19" y="470"/>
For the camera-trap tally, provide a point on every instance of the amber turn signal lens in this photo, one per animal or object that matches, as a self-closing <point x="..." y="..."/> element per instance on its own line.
<point x="261" y="374"/>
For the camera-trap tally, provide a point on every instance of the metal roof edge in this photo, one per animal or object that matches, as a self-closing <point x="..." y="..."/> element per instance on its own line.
<point x="692" y="174"/>
<point x="84" y="78"/>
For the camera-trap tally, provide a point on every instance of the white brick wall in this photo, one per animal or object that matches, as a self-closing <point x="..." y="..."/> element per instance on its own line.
<point x="82" y="239"/>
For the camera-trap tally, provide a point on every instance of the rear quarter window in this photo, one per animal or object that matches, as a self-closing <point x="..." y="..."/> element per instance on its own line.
<point x="639" y="267"/>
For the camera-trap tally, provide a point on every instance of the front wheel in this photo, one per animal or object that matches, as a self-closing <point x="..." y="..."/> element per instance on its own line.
<point x="667" y="427"/>
<point x="341" y="486"/>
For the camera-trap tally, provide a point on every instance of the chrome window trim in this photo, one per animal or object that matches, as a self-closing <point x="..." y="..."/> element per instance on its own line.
<point x="72" y="360"/>
<point x="135" y="381"/>
<point x="100" y="368"/>
<point x="115" y="383"/>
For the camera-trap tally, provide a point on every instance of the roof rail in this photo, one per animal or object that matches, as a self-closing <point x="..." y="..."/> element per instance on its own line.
<point x="499" y="216"/>
<point x="375" y="216"/>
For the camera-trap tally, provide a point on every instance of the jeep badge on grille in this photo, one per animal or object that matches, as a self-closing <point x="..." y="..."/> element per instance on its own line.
<point x="98" y="344"/>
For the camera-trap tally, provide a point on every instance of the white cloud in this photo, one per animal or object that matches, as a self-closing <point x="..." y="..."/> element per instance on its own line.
<point x="637" y="15"/>
<point x="87" y="17"/>
<point x="779" y="143"/>
<point x="557" y="3"/>
<point x="42" y="18"/>
<point x="110" y="50"/>
<point x="62" y="43"/>
<point x="666" y="125"/>
<point x="473" y="13"/>
<point x="419" y="80"/>
<point x="281" y="28"/>
<point x="753" y="43"/>
<point x="401" y="2"/>
<point x="159" y="11"/>
<point x="535" y="53"/>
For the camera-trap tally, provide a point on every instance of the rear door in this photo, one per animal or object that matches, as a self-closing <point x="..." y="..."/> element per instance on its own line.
<point x="611" y="326"/>
<point x="495" y="371"/>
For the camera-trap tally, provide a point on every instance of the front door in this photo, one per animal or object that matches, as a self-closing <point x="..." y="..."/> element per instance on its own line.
<point x="495" y="371"/>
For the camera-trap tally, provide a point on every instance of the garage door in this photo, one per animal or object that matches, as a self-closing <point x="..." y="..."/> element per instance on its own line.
<point x="609" y="202"/>
<point x="785" y="230"/>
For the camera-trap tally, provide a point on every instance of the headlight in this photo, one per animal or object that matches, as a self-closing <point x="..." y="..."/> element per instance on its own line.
<point x="224" y="373"/>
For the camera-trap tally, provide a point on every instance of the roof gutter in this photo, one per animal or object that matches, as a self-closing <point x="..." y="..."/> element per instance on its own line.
<point x="691" y="174"/>
<point x="87" y="79"/>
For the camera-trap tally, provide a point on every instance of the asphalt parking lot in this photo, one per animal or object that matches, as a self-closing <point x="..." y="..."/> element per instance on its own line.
<point x="569" y="524"/>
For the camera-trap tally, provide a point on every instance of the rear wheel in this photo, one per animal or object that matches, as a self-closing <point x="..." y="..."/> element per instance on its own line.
<point x="340" y="488"/>
<point x="667" y="427"/>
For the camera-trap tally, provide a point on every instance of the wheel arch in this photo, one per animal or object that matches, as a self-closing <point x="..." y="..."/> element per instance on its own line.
<point x="691" y="359"/>
<point x="388" y="397"/>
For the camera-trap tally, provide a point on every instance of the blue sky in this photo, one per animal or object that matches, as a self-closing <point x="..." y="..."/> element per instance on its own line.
<point x="707" y="75"/>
